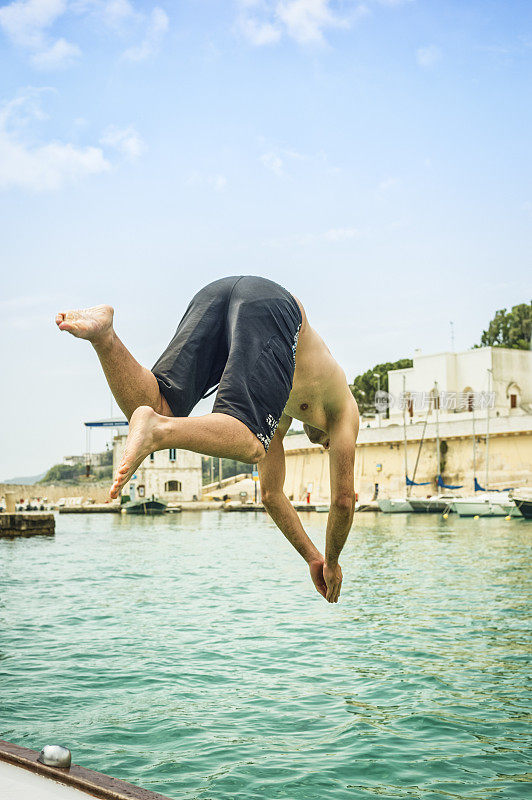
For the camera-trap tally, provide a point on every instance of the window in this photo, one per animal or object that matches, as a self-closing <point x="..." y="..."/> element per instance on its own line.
<point x="172" y="486"/>
<point x="513" y="401"/>
<point x="465" y="400"/>
<point x="172" y="454"/>
<point x="152" y="456"/>
<point x="141" y="490"/>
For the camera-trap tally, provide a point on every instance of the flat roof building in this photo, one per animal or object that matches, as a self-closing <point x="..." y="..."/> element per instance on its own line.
<point x="497" y="379"/>
<point x="171" y="475"/>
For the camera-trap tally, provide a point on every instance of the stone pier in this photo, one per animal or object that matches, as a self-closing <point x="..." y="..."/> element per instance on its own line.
<point x="32" y="523"/>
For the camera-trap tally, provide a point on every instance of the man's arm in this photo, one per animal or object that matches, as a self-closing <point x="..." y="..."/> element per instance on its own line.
<point x="272" y="470"/>
<point x="343" y="436"/>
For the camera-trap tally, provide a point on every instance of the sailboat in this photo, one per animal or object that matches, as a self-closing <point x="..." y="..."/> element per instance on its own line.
<point x="427" y="505"/>
<point x="435" y="504"/>
<point x="398" y="505"/>
<point x="488" y="503"/>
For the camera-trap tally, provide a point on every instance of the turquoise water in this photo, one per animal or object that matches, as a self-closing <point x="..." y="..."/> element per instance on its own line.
<point x="191" y="655"/>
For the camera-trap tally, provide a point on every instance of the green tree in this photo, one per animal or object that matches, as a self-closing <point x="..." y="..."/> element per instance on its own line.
<point x="71" y="474"/>
<point x="364" y="386"/>
<point x="60" y="473"/>
<point x="509" y="328"/>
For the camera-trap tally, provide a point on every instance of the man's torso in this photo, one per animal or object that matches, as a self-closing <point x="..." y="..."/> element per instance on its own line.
<point x="319" y="389"/>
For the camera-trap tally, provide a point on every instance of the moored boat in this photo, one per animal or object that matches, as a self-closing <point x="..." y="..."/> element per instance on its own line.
<point x="524" y="506"/>
<point x="480" y="507"/>
<point x="148" y="505"/>
<point x="394" y="506"/>
<point x="431" y="505"/>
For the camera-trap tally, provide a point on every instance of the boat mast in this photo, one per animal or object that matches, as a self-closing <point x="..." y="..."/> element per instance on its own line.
<point x="421" y="442"/>
<point x="474" y="447"/>
<point x="437" y="409"/>
<point x="404" y="435"/>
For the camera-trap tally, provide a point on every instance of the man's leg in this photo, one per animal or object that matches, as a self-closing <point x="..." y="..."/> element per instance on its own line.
<point x="131" y="384"/>
<point x="137" y="393"/>
<point x="217" y="435"/>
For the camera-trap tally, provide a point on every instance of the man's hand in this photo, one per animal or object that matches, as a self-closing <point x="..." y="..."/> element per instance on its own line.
<point x="316" y="573"/>
<point x="332" y="576"/>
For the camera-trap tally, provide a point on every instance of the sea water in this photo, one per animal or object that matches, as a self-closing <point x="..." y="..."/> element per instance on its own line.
<point x="190" y="654"/>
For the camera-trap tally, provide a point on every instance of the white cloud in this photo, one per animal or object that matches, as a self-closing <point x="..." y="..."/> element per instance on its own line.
<point x="259" y="33"/>
<point x="428" y="56"/>
<point x="305" y="20"/>
<point x="340" y="234"/>
<point x="264" y="22"/>
<point x="116" y="12"/>
<point x="386" y="185"/>
<point x="126" y="140"/>
<point x="215" y="181"/>
<point x="40" y="167"/>
<point x="157" y="28"/>
<point x="26" y="23"/>
<point x="59" y="54"/>
<point x="27" y="106"/>
<point x="273" y="162"/>
<point x="284" y="161"/>
<point x="218" y="182"/>
<point x="276" y="158"/>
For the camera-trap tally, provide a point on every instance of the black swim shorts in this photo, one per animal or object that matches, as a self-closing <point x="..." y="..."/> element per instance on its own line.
<point x="238" y="334"/>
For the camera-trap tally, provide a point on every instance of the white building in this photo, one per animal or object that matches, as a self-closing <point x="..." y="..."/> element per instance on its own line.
<point x="74" y="461"/>
<point x="496" y="376"/>
<point x="171" y="475"/>
<point x="94" y="459"/>
<point x="455" y="442"/>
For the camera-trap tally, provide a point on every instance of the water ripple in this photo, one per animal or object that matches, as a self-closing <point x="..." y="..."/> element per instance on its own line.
<point x="191" y="656"/>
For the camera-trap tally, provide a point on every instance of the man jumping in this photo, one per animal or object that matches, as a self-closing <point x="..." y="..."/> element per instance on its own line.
<point x="250" y="339"/>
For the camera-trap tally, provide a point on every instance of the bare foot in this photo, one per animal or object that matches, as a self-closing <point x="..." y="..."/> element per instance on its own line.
<point x="141" y="441"/>
<point x="86" y="323"/>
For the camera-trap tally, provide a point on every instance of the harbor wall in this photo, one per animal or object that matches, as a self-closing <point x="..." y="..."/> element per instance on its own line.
<point x="380" y="459"/>
<point x="97" y="492"/>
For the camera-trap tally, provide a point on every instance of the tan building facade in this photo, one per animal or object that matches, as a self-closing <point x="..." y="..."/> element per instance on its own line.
<point x="171" y="475"/>
<point x="380" y="458"/>
<point x="479" y="391"/>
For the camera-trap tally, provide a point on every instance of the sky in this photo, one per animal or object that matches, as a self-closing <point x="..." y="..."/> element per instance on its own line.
<point x="373" y="157"/>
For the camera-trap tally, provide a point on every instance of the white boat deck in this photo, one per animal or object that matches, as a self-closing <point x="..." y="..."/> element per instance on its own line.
<point x="17" y="783"/>
<point x="24" y="777"/>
